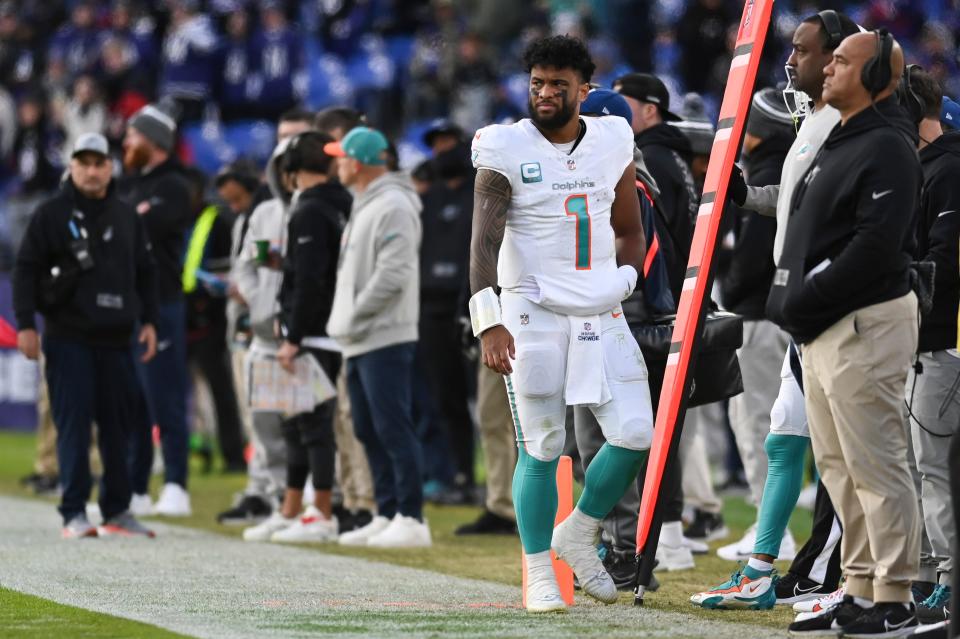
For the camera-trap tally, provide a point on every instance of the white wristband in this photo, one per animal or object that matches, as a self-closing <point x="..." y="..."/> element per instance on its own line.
<point x="629" y="274"/>
<point x="484" y="311"/>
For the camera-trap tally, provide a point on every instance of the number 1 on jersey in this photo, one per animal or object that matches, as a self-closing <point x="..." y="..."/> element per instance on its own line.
<point x="576" y="205"/>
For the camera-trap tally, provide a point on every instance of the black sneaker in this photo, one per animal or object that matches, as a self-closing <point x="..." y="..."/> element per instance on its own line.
<point x="883" y="620"/>
<point x="488" y="524"/>
<point x="936" y="607"/>
<point x="622" y="568"/>
<point x="793" y="588"/>
<point x="250" y="510"/>
<point x="348" y="520"/>
<point x="706" y="527"/>
<point x="828" y="623"/>
<point x="42" y="485"/>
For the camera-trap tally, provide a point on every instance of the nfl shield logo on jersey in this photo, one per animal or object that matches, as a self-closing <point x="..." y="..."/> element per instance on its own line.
<point x="587" y="327"/>
<point x="530" y="172"/>
<point x="524" y="319"/>
<point x="572" y="164"/>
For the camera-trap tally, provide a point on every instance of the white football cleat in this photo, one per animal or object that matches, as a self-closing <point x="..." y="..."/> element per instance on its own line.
<point x="141" y="505"/>
<point x="674" y="558"/>
<point x="581" y="555"/>
<point x="311" y="527"/>
<point x="543" y="595"/>
<point x="174" y="501"/>
<point x="402" y="532"/>
<point x="360" y="536"/>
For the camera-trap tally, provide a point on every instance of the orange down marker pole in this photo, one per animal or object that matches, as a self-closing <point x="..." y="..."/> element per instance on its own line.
<point x="564" y="508"/>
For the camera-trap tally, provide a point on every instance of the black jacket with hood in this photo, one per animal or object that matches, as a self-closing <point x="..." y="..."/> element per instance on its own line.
<point x="310" y="264"/>
<point x="938" y="234"/>
<point x="850" y="240"/>
<point x="101" y="305"/>
<point x="666" y="152"/>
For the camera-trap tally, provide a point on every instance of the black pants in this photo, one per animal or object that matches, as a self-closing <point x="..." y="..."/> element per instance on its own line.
<point x="446" y="375"/>
<point x="87" y="384"/>
<point x="819" y="559"/>
<point x="211" y="355"/>
<point x="309" y="436"/>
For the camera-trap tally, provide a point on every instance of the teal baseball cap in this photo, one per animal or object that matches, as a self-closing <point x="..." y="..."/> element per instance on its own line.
<point x="366" y="145"/>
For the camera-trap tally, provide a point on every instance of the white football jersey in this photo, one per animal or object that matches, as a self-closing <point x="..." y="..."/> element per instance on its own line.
<point x="559" y="248"/>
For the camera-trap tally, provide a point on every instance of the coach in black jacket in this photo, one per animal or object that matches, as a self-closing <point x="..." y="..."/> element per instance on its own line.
<point x="85" y="265"/>
<point x="842" y="290"/>
<point x="306" y="297"/>
<point x="931" y="387"/>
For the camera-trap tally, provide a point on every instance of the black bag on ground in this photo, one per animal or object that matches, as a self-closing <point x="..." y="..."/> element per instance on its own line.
<point x="717" y="373"/>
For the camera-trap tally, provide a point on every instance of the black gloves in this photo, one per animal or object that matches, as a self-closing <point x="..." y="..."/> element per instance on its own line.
<point x="737" y="189"/>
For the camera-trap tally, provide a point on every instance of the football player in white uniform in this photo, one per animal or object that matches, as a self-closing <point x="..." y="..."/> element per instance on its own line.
<point x="555" y="213"/>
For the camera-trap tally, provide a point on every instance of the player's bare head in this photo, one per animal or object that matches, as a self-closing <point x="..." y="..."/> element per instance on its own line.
<point x="813" y="44"/>
<point x="294" y="122"/>
<point x="843" y="86"/>
<point x="337" y="121"/>
<point x="560" y="70"/>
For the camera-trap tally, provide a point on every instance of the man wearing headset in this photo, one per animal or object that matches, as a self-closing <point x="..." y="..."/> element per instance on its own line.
<point x="932" y="385"/>
<point x="842" y="290"/>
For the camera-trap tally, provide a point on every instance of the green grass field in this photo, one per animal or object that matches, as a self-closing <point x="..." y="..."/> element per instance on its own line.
<point x="495" y="559"/>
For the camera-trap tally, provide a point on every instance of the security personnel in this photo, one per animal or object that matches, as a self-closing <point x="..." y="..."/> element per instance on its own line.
<point x="85" y="264"/>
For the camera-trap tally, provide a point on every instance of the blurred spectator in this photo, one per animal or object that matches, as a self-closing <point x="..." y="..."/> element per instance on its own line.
<point x="8" y="127"/>
<point x="236" y="101"/>
<point x="205" y="271"/>
<point x="125" y="85"/>
<point x="161" y="196"/>
<point x="696" y="126"/>
<point x="446" y="218"/>
<point x="277" y="57"/>
<point x="702" y="36"/>
<point x="35" y="163"/>
<point x="84" y="112"/>
<point x="189" y="59"/>
<point x="18" y="62"/>
<point x="432" y="62"/>
<point x="343" y="24"/>
<point x="135" y="31"/>
<point x="74" y="46"/>
<point x="471" y="84"/>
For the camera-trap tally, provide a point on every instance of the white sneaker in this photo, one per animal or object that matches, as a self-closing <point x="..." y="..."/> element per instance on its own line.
<point x="819" y="605"/>
<point x="266" y="528"/>
<point x="312" y="527"/>
<point x="674" y="558"/>
<point x="174" y="501"/>
<point x="741" y="549"/>
<point x="403" y="532"/>
<point x="788" y="547"/>
<point x="581" y="555"/>
<point x="360" y="536"/>
<point x="543" y="595"/>
<point x="141" y="505"/>
<point x="808" y="497"/>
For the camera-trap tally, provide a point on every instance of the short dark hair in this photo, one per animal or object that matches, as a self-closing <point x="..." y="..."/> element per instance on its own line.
<point x="560" y="52"/>
<point x="926" y="87"/>
<point x="338" y="118"/>
<point x="242" y="171"/>
<point x="297" y="115"/>
<point x="847" y="28"/>
<point x="305" y="153"/>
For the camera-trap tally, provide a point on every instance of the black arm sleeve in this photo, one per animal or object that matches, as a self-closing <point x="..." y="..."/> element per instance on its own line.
<point x="146" y="275"/>
<point x="312" y="286"/>
<point x="942" y="220"/>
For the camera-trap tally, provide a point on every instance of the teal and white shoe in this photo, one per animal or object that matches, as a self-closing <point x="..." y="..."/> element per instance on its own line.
<point x="740" y="592"/>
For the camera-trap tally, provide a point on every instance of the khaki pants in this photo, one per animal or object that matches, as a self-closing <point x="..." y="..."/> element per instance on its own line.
<point x="697" y="481"/>
<point x="46" y="461"/>
<point x="854" y="376"/>
<point x="353" y="470"/>
<point x="498" y="439"/>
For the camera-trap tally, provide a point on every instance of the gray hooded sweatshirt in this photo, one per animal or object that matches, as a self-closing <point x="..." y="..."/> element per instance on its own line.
<point x="377" y="299"/>
<point x="258" y="284"/>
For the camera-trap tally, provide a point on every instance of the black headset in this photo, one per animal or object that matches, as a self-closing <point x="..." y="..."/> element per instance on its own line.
<point x="831" y="24"/>
<point x="293" y="158"/>
<point x="913" y="103"/>
<point x="876" y="74"/>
